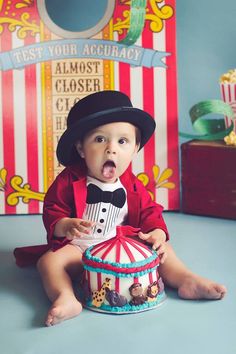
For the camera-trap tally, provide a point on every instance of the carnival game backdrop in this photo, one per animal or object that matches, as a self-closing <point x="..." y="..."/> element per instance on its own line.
<point x="49" y="61"/>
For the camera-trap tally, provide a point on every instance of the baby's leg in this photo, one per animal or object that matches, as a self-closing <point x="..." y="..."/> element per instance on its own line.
<point x="190" y="286"/>
<point x="56" y="269"/>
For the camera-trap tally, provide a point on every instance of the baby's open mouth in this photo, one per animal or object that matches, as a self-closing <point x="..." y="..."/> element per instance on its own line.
<point x="109" y="169"/>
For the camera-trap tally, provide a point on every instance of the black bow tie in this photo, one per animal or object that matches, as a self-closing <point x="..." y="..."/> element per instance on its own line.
<point x="96" y="195"/>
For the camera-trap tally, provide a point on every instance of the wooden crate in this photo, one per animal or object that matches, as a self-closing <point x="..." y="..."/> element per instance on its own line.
<point x="209" y="178"/>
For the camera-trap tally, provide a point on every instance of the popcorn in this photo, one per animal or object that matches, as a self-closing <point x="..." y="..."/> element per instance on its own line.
<point x="228" y="94"/>
<point x="230" y="139"/>
<point x="229" y="77"/>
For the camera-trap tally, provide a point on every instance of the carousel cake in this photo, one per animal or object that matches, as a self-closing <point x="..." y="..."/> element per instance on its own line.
<point x="121" y="275"/>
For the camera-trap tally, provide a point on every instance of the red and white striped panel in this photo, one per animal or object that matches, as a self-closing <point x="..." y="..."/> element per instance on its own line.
<point x="151" y="89"/>
<point x="155" y="91"/>
<point x="21" y="127"/>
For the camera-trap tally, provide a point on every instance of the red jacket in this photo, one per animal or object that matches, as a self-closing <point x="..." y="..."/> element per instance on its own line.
<point x="67" y="198"/>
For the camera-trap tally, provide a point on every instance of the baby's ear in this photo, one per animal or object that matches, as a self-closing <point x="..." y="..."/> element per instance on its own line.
<point x="79" y="148"/>
<point x="137" y="146"/>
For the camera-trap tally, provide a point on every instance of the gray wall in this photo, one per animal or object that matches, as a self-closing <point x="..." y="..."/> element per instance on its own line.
<point x="206" y="48"/>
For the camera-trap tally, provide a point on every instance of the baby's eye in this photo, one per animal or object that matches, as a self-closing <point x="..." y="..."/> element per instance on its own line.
<point x="122" y="141"/>
<point x="100" y="139"/>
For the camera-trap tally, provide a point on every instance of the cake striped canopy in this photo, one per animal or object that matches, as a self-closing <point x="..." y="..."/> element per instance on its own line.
<point x="121" y="275"/>
<point x="122" y="256"/>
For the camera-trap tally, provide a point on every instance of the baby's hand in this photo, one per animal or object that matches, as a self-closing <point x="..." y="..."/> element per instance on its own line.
<point x="157" y="238"/>
<point x="73" y="227"/>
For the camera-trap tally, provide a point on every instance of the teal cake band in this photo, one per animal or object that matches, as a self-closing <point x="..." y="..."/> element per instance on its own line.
<point x="120" y="275"/>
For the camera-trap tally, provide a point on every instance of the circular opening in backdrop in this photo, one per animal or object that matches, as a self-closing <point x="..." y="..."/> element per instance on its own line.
<point x="75" y="18"/>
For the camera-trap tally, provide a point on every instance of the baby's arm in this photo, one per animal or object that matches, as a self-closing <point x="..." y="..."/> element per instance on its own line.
<point x="157" y="238"/>
<point x="72" y="228"/>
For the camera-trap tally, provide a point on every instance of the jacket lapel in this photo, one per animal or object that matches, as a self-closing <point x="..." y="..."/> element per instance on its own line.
<point x="133" y="208"/>
<point x="133" y="198"/>
<point x="80" y="195"/>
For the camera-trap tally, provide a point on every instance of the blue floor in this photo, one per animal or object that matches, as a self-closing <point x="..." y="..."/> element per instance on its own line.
<point x="207" y="245"/>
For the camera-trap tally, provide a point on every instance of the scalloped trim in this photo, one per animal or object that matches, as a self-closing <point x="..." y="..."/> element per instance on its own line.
<point x="128" y="308"/>
<point x="146" y="261"/>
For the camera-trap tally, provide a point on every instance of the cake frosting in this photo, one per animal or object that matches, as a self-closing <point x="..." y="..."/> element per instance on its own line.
<point x="121" y="275"/>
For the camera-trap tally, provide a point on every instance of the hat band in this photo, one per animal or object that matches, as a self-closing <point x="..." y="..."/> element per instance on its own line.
<point x="103" y="113"/>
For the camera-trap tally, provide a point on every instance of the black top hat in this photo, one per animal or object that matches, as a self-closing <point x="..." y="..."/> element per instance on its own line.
<point x="98" y="109"/>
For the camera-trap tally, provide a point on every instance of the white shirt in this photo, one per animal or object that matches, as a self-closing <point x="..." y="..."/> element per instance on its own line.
<point x="105" y="215"/>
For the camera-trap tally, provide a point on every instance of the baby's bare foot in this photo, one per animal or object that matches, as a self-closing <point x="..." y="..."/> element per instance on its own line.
<point x="195" y="287"/>
<point x="63" y="309"/>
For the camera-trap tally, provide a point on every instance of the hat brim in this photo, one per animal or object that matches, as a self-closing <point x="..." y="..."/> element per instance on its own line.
<point x="66" y="152"/>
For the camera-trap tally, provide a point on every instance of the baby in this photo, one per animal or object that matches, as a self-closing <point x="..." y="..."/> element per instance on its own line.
<point x="95" y="193"/>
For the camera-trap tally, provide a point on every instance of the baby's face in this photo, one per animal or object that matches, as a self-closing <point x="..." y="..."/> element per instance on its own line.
<point x="108" y="150"/>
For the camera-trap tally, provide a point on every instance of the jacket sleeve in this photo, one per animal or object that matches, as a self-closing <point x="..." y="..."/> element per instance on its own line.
<point x="58" y="204"/>
<point x="150" y="212"/>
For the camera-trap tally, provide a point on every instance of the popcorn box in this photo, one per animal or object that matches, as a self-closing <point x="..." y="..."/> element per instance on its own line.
<point x="228" y="93"/>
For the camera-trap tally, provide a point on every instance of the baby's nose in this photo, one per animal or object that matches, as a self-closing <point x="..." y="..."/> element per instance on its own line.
<point x="111" y="148"/>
